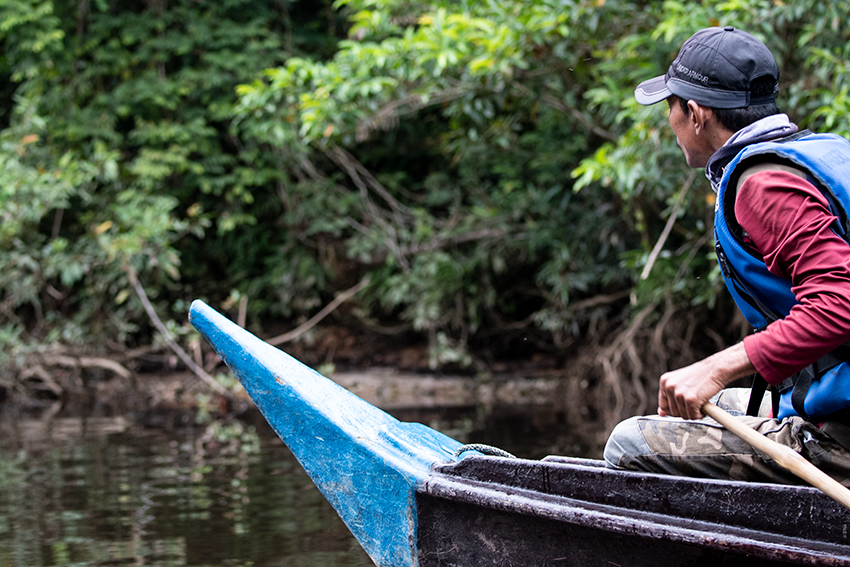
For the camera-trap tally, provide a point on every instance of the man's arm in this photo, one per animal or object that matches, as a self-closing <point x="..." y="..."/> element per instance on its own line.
<point x="682" y="392"/>
<point x="789" y="222"/>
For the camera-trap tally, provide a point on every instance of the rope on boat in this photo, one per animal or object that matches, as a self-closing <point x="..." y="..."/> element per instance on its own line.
<point x="484" y="449"/>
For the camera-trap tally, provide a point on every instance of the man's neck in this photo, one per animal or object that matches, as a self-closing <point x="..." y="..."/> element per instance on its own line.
<point x="766" y="129"/>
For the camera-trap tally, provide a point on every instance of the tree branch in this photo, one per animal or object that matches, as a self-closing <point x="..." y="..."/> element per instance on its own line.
<point x="88" y="362"/>
<point x="181" y="354"/>
<point x="328" y="309"/>
<point x="550" y="100"/>
<point x="387" y="116"/>
<point x="670" y="222"/>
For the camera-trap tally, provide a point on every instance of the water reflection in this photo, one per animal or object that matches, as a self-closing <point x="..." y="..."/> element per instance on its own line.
<point x="159" y="490"/>
<point x="104" y="492"/>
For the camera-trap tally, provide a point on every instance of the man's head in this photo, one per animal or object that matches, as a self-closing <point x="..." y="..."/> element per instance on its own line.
<point x="717" y="68"/>
<point x="722" y="80"/>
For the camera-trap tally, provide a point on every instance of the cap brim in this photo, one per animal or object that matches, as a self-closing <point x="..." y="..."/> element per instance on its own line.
<point x="652" y="91"/>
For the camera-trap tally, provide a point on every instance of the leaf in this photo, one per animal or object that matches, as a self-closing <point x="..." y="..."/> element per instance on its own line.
<point x="103" y="227"/>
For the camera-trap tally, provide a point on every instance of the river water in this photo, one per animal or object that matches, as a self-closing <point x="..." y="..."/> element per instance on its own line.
<point x="84" y="490"/>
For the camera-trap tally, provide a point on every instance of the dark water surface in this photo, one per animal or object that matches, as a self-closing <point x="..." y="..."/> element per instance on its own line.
<point x="102" y="491"/>
<point x="109" y="491"/>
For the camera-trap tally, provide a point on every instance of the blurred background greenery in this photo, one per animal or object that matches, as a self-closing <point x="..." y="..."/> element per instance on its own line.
<point x="481" y="164"/>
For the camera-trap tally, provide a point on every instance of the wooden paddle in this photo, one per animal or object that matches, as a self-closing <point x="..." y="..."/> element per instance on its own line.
<point x="785" y="456"/>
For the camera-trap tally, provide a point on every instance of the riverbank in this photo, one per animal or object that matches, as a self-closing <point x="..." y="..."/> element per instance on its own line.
<point x="548" y="407"/>
<point x="528" y="416"/>
<point x="539" y="394"/>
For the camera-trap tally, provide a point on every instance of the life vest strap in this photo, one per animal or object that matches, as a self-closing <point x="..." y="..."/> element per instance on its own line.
<point x="757" y="391"/>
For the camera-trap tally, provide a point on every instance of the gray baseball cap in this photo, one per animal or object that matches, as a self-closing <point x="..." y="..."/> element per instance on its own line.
<point x="715" y="68"/>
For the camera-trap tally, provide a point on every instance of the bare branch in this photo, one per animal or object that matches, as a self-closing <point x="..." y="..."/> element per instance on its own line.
<point x="327" y="310"/>
<point x="600" y="300"/>
<point x="669" y="226"/>
<point x="363" y="179"/>
<point x="553" y="102"/>
<point x="359" y="174"/>
<point x="181" y="354"/>
<point x="439" y="243"/>
<point x="39" y="372"/>
<point x="386" y="118"/>
<point x="88" y="362"/>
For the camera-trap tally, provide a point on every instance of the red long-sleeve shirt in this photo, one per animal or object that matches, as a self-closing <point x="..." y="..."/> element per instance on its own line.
<point x="788" y="221"/>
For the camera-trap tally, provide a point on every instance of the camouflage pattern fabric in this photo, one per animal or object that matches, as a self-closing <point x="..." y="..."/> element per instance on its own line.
<point x="703" y="448"/>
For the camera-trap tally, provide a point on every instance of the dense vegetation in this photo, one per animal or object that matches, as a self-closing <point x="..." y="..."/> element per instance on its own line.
<point x="480" y="168"/>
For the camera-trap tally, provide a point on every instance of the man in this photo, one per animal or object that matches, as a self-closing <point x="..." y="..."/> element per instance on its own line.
<point x="781" y="229"/>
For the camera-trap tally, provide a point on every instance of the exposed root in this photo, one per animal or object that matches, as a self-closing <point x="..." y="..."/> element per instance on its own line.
<point x="611" y="358"/>
<point x="89" y="362"/>
<point x="637" y="371"/>
<point x="37" y="375"/>
<point x="38" y="372"/>
<point x="640" y="352"/>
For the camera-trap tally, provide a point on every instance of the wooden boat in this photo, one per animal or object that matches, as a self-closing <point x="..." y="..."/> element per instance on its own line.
<point x="410" y="501"/>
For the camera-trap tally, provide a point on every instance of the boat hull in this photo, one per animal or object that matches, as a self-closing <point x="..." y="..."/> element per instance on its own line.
<point x="570" y="512"/>
<point x="411" y="502"/>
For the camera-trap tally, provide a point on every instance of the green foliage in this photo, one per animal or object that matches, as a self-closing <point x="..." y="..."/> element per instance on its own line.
<point x="470" y="113"/>
<point x="517" y="175"/>
<point x="119" y="153"/>
<point x="484" y="162"/>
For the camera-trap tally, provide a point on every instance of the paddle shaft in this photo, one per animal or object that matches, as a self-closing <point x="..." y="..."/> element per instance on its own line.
<point x="784" y="456"/>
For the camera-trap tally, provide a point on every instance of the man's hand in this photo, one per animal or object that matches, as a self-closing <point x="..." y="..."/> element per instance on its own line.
<point x="682" y="392"/>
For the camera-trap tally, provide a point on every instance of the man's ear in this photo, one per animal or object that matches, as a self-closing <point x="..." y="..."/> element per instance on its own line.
<point x="699" y="116"/>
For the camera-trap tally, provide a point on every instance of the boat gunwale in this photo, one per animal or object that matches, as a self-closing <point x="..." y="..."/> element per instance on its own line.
<point x="643" y="524"/>
<point x="795" y="510"/>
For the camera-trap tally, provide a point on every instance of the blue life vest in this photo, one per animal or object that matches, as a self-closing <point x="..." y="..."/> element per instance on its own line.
<point x="821" y="391"/>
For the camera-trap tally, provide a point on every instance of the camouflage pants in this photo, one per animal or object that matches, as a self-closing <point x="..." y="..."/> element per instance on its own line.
<point x="703" y="448"/>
